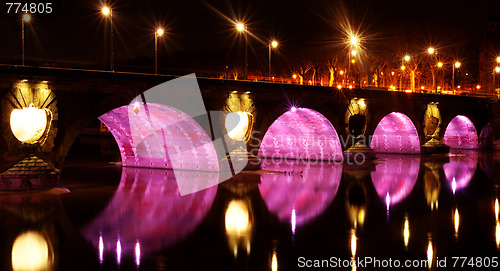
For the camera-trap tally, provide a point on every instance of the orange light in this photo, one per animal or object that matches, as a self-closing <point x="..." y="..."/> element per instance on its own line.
<point x="106" y="11"/>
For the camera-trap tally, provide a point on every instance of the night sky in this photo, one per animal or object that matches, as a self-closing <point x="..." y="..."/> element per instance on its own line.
<point x="201" y="38"/>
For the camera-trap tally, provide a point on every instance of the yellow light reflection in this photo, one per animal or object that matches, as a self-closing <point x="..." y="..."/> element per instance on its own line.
<point x="456" y="219"/>
<point x="237" y="125"/>
<point x="497" y="208"/>
<point x="406" y="232"/>
<point x="497" y="234"/>
<point x="274" y="262"/>
<point x="30" y="251"/>
<point x="430" y="253"/>
<point x="238" y="225"/>
<point x="29" y="124"/>
<point x="353" y="242"/>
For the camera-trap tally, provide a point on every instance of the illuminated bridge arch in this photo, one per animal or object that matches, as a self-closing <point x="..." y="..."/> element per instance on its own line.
<point x="150" y="136"/>
<point x="461" y="134"/>
<point x="301" y="133"/>
<point x="396" y="133"/>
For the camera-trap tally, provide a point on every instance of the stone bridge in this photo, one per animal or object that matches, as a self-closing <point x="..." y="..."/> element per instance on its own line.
<point x="278" y="120"/>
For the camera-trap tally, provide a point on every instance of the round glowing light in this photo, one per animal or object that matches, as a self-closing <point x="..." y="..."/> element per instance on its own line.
<point x="498" y="59"/>
<point x="440" y="64"/>
<point x="497" y="69"/>
<point x="407" y="58"/>
<point x="403" y="68"/>
<point x="354" y="41"/>
<point x="430" y="50"/>
<point x="159" y="32"/>
<point x="274" y="44"/>
<point x="354" y="52"/>
<point x="106" y="11"/>
<point x="26" y="17"/>
<point x="341" y="72"/>
<point x="30" y="251"/>
<point x="294" y="76"/>
<point x="237" y="125"/>
<point x="29" y="124"/>
<point x="457" y="64"/>
<point x="240" y="27"/>
<point x="478" y="86"/>
<point x="293" y="109"/>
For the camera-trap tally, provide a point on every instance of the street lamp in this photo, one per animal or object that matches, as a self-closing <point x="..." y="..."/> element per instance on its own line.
<point x="158" y="33"/>
<point x="496" y="71"/>
<point x="106" y="11"/>
<point x="433" y="53"/>
<point x="456" y="65"/>
<point x="272" y="44"/>
<point x="440" y="65"/>
<point x="243" y="28"/>
<point x="25" y="18"/>
<point x="407" y="58"/>
<point x="498" y="59"/>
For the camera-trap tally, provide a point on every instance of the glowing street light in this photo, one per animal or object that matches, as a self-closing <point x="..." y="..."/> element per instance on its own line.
<point x="407" y="58"/>
<point x="456" y="65"/>
<point x="158" y="33"/>
<point x="498" y="59"/>
<point x="272" y="44"/>
<point x="26" y="18"/>
<point x="242" y="28"/>
<point x="433" y="53"/>
<point x="431" y="50"/>
<point x="106" y="11"/>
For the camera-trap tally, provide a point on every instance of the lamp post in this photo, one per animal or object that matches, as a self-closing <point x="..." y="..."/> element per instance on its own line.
<point x="456" y="65"/>
<point x="496" y="71"/>
<point x="407" y="59"/>
<point x="158" y="33"/>
<point x="106" y="11"/>
<point x="243" y="28"/>
<point x="272" y="44"/>
<point x="433" y="53"/>
<point x="440" y="65"/>
<point x="26" y="18"/>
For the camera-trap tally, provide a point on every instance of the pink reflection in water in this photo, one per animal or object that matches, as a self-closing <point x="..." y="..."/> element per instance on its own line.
<point x="395" y="176"/>
<point x="460" y="170"/>
<point x="396" y="133"/>
<point x="461" y="134"/>
<point x="146" y="136"/>
<point x="148" y="213"/>
<point x="301" y="134"/>
<point x="303" y="192"/>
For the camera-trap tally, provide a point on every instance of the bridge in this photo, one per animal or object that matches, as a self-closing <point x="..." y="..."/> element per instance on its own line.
<point x="278" y="120"/>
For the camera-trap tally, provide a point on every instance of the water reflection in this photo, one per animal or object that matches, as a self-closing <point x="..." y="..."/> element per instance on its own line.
<point x="238" y="221"/>
<point x="32" y="251"/>
<point x="460" y="170"/>
<point x="302" y="192"/>
<point x="432" y="184"/>
<point x="456" y="221"/>
<point x="147" y="213"/>
<point x="406" y="232"/>
<point x="395" y="176"/>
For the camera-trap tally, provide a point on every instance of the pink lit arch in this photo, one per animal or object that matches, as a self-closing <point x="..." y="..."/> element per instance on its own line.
<point x="396" y="133"/>
<point x="149" y="137"/>
<point x="461" y="134"/>
<point x="301" y="133"/>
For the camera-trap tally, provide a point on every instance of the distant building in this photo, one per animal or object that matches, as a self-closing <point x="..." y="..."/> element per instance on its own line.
<point x="489" y="51"/>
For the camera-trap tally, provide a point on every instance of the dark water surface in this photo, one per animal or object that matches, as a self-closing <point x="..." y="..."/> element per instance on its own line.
<point x="397" y="208"/>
